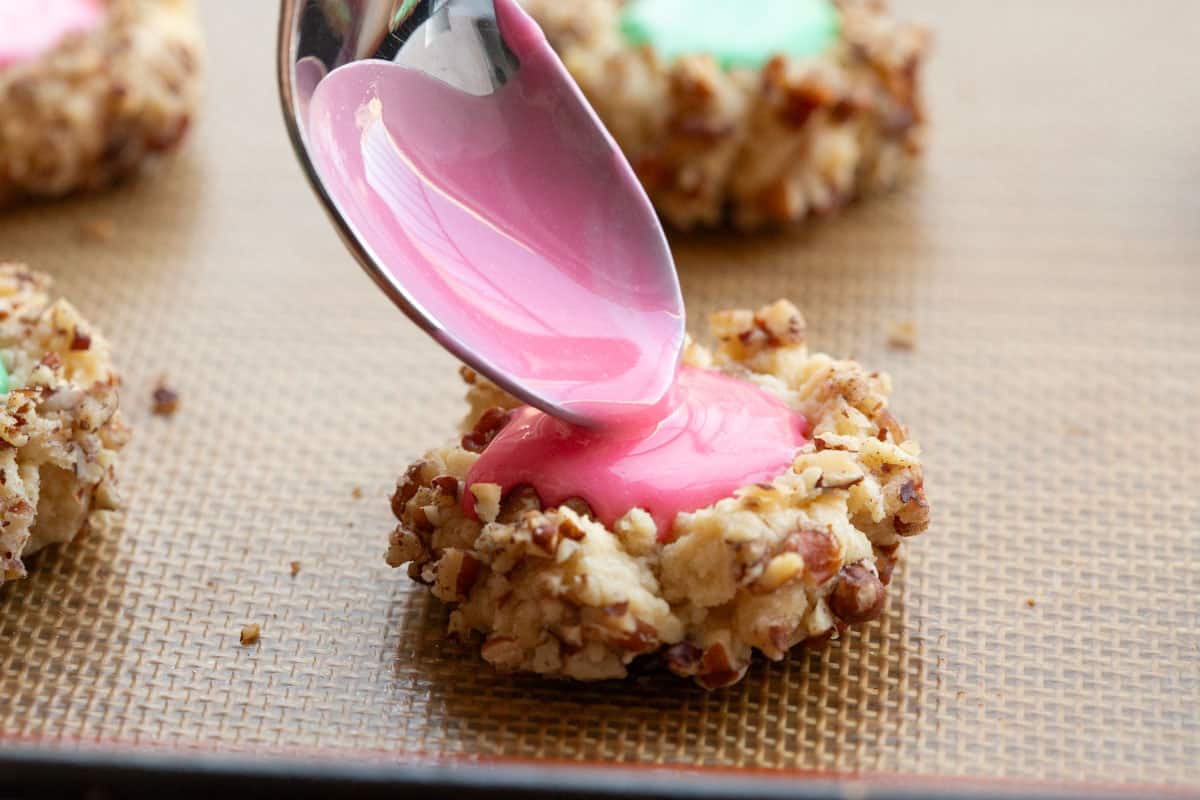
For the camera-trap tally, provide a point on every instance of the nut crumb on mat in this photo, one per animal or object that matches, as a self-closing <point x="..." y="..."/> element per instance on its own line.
<point x="98" y="230"/>
<point x="164" y="399"/>
<point x="295" y="568"/>
<point x="1031" y="602"/>
<point x="356" y="493"/>
<point x="902" y="335"/>
<point x="789" y="562"/>
<point x="60" y="426"/>
<point x="249" y="635"/>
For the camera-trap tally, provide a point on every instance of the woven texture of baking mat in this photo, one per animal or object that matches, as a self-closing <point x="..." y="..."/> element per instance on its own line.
<point x="1047" y="626"/>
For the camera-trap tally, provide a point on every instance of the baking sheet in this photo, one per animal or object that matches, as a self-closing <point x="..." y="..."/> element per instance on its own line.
<point x="1048" y="256"/>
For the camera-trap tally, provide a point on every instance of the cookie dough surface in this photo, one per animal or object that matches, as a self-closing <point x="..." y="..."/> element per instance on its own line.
<point x="100" y="104"/>
<point x="795" y="560"/>
<point x="752" y="146"/>
<point x="59" y="424"/>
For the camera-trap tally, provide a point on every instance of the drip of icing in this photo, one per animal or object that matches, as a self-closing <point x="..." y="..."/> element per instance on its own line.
<point x="736" y="33"/>
<point x="721" y="434"/>
<point x="29" y="28"/>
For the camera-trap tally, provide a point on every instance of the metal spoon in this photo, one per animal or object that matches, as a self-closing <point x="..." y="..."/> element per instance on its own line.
<point x="590" y="327"/>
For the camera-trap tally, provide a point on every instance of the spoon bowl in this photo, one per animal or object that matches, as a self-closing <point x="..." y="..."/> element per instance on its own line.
<point x="476" y="186"/>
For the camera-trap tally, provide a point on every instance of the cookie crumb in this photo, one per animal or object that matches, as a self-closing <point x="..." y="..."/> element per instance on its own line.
<point x="902" y="335"/>
<point x="356" y="493"/>
<point x="249" y="635"/>
<point x="295" y="567"/>
<point x="1031" y="602"/>
<point x="98" y="230"/>
<point x="165" y="399"/>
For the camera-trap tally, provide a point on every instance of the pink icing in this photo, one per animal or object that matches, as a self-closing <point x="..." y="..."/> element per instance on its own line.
<point x="722" y="434"/>
<point x="29" y="28"/>
<point x="487" y="211"/>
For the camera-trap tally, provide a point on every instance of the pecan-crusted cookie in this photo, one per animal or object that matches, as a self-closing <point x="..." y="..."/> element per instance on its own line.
<point x="59" y="424"/>
<point x="795" y="560"/>
<point x="751" y="146"/>
<point x="100" y="103"/>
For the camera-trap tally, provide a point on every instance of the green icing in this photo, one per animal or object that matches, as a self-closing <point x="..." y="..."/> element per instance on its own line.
<point x="735" y="32"/>
<point x="401" y="14"/>
<point x="3" y="379"/>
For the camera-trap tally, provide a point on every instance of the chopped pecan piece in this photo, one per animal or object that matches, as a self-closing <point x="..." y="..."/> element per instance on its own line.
<point x="886" y="556"/>
<point x="643" y="639"/>
<point x="859" y="595"/>
<point x="447" y="485"/>
<point x="490" y="423"/>
<point x="457" y="570"/>
<point x="502" y="652"/>
<point x="889" y="426"/>
<point x="517" y="501"/>
<point x="579" y="506"/>
<point x="819" y="550"/>
<point x="839" y="480"/>
<point x="406" y="488"/>
<point x="782" y="323"/>
<point x="913" y="516"/>
<point x="800" y="105"/>
<point x="249" y="635"/>
<point x="570" y="530"/>
<point x="468" y="574"/>
<point x="420" y="520"/>
<point x="404" y="546"/>
<point x="544" y="536"/>
<point x="717" y="668"/>
<point x="683" y="658"/>
<point x="779" y="570"/>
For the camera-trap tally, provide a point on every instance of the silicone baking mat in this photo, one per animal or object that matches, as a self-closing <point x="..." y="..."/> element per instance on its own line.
<point x="1047" y="627"/>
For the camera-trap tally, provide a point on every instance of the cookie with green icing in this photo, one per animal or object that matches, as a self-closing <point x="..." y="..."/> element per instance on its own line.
<point x="59" y="420"/>
<point x="751" y="114"/>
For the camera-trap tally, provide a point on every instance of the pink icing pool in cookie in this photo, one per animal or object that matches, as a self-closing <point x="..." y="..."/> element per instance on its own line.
<point x="722" y="434"/>
<point x="29" y="28"/>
